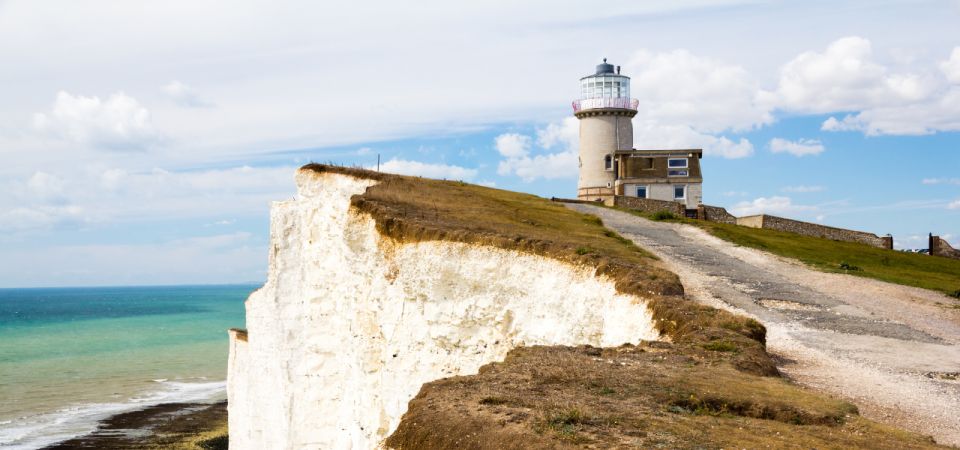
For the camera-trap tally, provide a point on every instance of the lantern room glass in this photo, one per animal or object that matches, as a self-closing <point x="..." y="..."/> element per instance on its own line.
<point x="605" y="86"/>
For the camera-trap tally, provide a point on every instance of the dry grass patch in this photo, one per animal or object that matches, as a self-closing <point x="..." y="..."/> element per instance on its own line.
<point x="651" y="396"/>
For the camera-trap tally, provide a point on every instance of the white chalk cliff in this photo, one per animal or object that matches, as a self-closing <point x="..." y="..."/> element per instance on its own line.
<point x="351" y="323"/>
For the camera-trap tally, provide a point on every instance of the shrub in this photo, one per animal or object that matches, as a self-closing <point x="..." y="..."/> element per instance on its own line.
<point x="847" y="266"/>
<point x="664" y="215"/>
<point x="956" y="293"/>
<point x="215" y="443"/>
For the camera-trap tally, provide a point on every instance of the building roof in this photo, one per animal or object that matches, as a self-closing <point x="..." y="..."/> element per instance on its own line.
<point x="663" y="152"/>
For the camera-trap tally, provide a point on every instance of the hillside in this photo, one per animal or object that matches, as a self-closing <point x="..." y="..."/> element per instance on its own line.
<point x="909" y="269"/>
<point x="381" y="286"/>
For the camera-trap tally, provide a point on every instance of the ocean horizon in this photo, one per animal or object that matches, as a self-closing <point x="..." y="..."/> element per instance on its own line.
<point x="72" y="356"/>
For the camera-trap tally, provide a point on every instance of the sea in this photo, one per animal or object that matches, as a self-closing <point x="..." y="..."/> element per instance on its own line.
<point x="70" y="357"/>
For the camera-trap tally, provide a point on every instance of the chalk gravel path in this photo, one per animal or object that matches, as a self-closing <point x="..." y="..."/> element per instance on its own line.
<point x="892" y="350"/>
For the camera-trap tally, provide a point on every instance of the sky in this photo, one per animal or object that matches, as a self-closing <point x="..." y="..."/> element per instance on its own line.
<point x="142" y="142"/>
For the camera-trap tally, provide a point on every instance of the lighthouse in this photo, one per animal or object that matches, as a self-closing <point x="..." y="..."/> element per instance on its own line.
<point x="611" y="169"/>
<point x="605" y="110"/>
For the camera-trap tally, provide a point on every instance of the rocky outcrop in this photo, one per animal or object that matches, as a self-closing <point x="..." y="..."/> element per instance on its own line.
<point x="351" y="323"/>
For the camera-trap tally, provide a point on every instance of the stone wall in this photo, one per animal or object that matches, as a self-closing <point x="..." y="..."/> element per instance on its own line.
<point x="751" y="221"/>
<point x="815" y="230"/>
<point x="940" y="247"/>
<point x="649" y="205"/>
<point x="715" y="214"/>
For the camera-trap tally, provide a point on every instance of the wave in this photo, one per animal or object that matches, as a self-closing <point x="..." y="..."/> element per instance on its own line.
<point x="40" y="430"/>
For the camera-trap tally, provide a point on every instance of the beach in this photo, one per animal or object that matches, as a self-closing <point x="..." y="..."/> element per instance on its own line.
<point x="168" y="425"/>
<point x="73" y="357"/>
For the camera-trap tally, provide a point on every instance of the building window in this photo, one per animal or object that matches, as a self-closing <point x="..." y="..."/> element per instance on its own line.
<point x="608" y="162"/>
<point x="642" y="191"/>
<point x="677" y="173"/>
<point x="679" y="192"/>
<point x="677" y="163"/>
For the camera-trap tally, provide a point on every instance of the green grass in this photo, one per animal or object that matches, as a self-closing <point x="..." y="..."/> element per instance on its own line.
<point x="910" y="269"/>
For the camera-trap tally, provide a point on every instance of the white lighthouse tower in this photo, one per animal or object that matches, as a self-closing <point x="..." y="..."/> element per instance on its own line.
<point x="605" y="110"/>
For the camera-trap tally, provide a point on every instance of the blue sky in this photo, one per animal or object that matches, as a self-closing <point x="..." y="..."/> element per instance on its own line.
<point x="143" y="142"/>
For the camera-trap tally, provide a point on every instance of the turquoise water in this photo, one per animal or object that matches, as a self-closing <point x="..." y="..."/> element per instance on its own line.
<point x="72" y="356"/>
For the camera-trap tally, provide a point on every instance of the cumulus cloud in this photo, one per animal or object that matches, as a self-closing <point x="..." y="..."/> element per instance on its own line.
<point x="512" y="145"/>
<point x="518" y="160"/>
<point x="844" y="78"/>
<point x="803" y="189"/>
<point x="184" y="95"/>
<point x="117" y="123"/>
<point x="888" y="104"/>
<point x="770" y="205"/>
<point x="649" y="135"/>
<point x="421" y="169"/>
<point x="803" y="147"/>
<point x="710" y="96"/>
<point x="951" y="67"/>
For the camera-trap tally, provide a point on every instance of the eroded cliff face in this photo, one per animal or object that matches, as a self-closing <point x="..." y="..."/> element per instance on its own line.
<point x="350" y="324"/>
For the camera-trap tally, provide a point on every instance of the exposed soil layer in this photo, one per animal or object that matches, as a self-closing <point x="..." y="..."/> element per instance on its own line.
<point x="655" y="395"/>
<point x="195" y="426"/>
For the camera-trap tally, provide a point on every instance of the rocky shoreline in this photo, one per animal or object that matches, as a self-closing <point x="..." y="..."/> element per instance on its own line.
<point x="169" y="425"/>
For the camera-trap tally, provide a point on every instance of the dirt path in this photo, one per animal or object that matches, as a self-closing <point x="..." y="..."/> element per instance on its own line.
<point x="893" y="350"/>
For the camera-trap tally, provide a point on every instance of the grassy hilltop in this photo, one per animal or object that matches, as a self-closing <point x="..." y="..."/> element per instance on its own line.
<point x="910" y="269"/>
<point x="709" y="384"/>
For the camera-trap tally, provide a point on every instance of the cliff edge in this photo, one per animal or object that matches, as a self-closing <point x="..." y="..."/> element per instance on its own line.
<point x="379" y="284"/>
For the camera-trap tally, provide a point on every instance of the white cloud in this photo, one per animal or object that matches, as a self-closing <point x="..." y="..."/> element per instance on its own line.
<point x="565" y="134"/>
<point x="561" y="164"/>
<point x="951" y="67"/>
<point x="487" y="183"/>
<point x="41" y="217"/>
<point x="117" y="123"/>
<point x="88" y="195"/>
<point x="954" y="204"/>
<point x="955" y="181"/>
<point x="548" y="166"/>
<point x="184" y="95"/>
<point x="895" y="104"/>
<point x="421" y="169"/>
<point x="803" y="147"/>
<point x="362" y="151"/>
<point x="710" y="96"/>
<point x="652" y="136"/>
<point x="843" y="78"/>
<point x="803" y="189"/>
<point x="46" y="186"/>
<point x="512" y="145"/>
<point x="770" y="205"/>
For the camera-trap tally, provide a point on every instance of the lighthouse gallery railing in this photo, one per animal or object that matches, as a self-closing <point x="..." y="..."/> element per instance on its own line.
<point x="602" y="102"/>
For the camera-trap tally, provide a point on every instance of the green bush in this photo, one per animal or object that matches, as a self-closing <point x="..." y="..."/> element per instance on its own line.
<point x="220" y="442"/>
<point x="664" y="215"/>
<point x="847" y="266"/>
